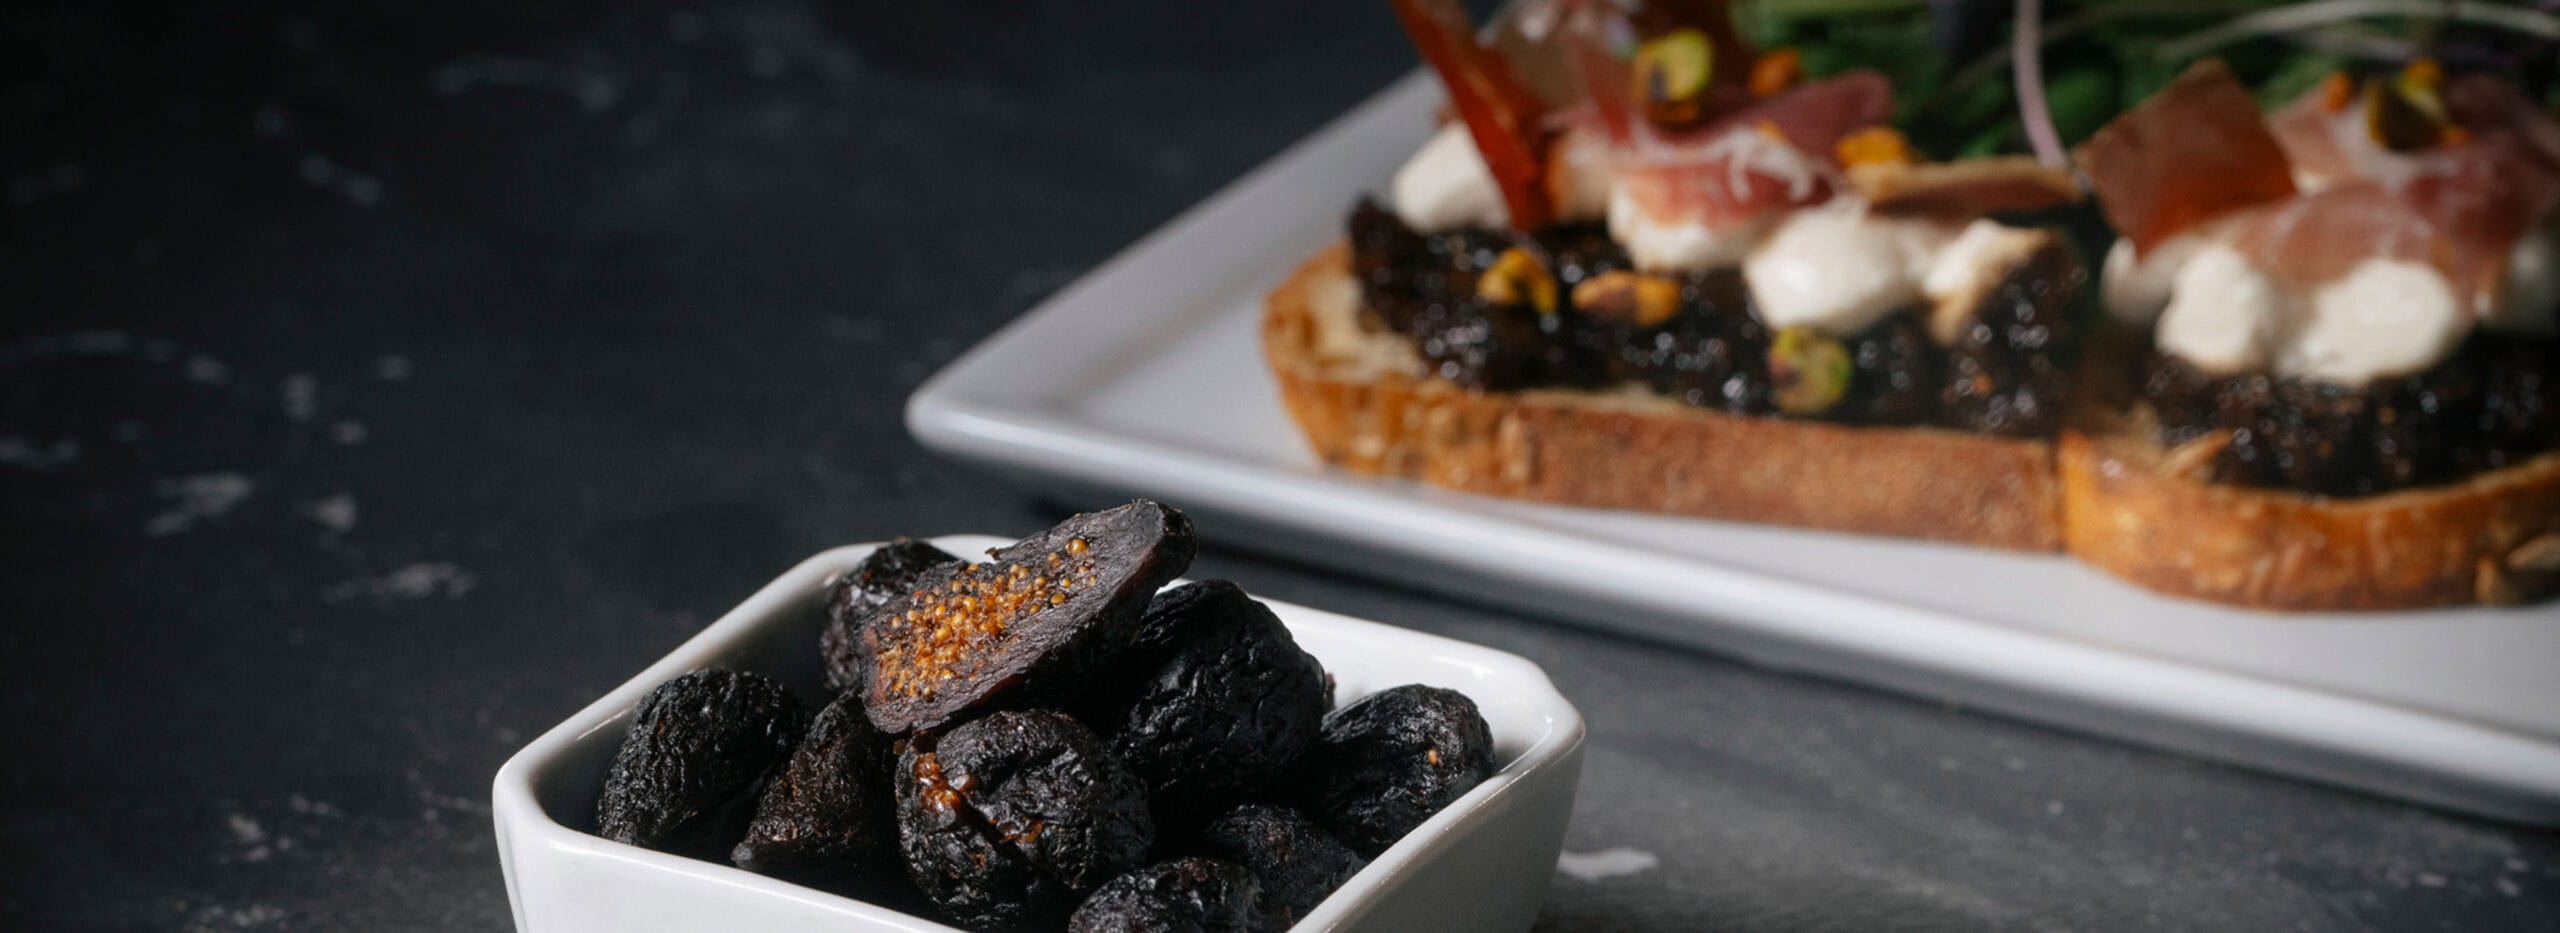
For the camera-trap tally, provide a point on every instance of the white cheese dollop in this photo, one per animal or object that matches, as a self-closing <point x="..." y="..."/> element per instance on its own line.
<point x="2135" y="290"/>
<point x="2385" y="317"/>
<point x="1446" y="186"/>
<point x="2223" y="314"/>
<point x="1679" y="246"/>
<point x="1837" y="269"/>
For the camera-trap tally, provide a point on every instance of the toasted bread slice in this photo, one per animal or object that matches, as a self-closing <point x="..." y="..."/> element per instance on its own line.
<point x="2144" y="513"/>
<point x="1364" y="401"/>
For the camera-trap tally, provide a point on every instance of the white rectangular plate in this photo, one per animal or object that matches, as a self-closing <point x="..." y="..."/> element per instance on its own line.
<point x="1481" y="863"/>
<point x="1145" y="376"/>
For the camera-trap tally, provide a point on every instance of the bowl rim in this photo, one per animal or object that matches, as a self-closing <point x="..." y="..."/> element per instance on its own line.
<point x="519" y="817"/>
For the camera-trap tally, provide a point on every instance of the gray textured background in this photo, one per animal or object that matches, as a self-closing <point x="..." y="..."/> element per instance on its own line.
<point x="383" y="384"/>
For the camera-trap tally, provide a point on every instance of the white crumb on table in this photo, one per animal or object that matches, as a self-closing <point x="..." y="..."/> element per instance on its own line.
<point x="415" y="581"/>
<point x="301" y="395"/>
<point x="1617" y="862"/>
<point x="25" y="454"/>
<point x="200" y="497"/>
<point x="336" y="513"/>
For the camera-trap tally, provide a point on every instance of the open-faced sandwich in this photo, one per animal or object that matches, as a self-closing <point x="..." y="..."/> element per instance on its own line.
<point x="1650" y="267"/>
<point x="2348" y="388"/>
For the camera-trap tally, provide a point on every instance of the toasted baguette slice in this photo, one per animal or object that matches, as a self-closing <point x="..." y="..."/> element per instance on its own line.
<point x="1363" y="400"/>
<point x="2143" y="513"/>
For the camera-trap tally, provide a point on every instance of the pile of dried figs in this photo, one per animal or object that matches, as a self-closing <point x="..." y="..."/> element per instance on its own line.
<point x="1045" y="740"/>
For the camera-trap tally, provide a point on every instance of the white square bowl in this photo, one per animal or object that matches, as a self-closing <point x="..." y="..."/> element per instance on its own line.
<point x="1482" y="863"/>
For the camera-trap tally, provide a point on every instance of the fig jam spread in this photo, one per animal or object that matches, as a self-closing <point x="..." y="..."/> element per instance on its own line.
<point x="2494" y="402"/>
<point x="2004" y="376"/>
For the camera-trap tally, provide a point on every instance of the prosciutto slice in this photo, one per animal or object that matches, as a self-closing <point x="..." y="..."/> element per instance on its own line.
<point x="2460" y="206"/>
<point x="2200" y="153"/>
<point x="2320" y="236"/>
<point x="2322" y="143"/>
<point x="1749" y="157"/>
<point x="1769" y="156"/>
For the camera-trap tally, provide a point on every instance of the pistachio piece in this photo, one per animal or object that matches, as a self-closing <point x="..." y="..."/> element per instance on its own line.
<point x="1628" y="298"/>
<point x="1808" y="372"/>
<point x="1518" y="278"/>
<point x="1776" y="70"/>
<point x="1671" y="74"/>
<point x="1875" y="145"/>
<point x="2405" y="113"/>
<point x="2424" y="72"/>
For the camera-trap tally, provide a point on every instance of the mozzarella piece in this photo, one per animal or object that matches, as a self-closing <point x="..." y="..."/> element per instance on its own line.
<point x="2222" y="314"/>
<point x="1837" y="269"/>
<point x="2528" y="297"/>
<point x="2385" y="317"/>
<point x="1678" y="246"/>
<point x="2136" y="290"/>
<point x="1446" y="186"/>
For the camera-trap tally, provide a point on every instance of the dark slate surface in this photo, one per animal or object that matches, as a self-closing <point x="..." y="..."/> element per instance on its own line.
<point x="382" y="385"/>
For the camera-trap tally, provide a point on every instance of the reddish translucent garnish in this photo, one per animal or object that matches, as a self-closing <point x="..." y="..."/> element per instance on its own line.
<point x="2196" y="150"/>
<point x="1507" y="121"/>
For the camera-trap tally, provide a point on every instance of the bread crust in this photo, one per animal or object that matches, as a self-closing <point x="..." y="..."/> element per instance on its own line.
<point x="2141" y="513"/>
<point x="2107" y="495"/>
<point x="1363" y="407"/>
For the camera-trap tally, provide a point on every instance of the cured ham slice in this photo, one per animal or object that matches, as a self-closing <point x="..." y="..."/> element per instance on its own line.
<point x="1768" y="156"/>
<point x="2461" y="213"/>
<point x="2489" y="106"/>
<point x="2316" y="137"/>
<point x="2196" y="150"/>
<point x="2481" y="196"/>
<point x="2199" y="152"/>
<point x="1746" y="156"/>
<point x="2459" y="206"/>
<point x="2316" y="237"/>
